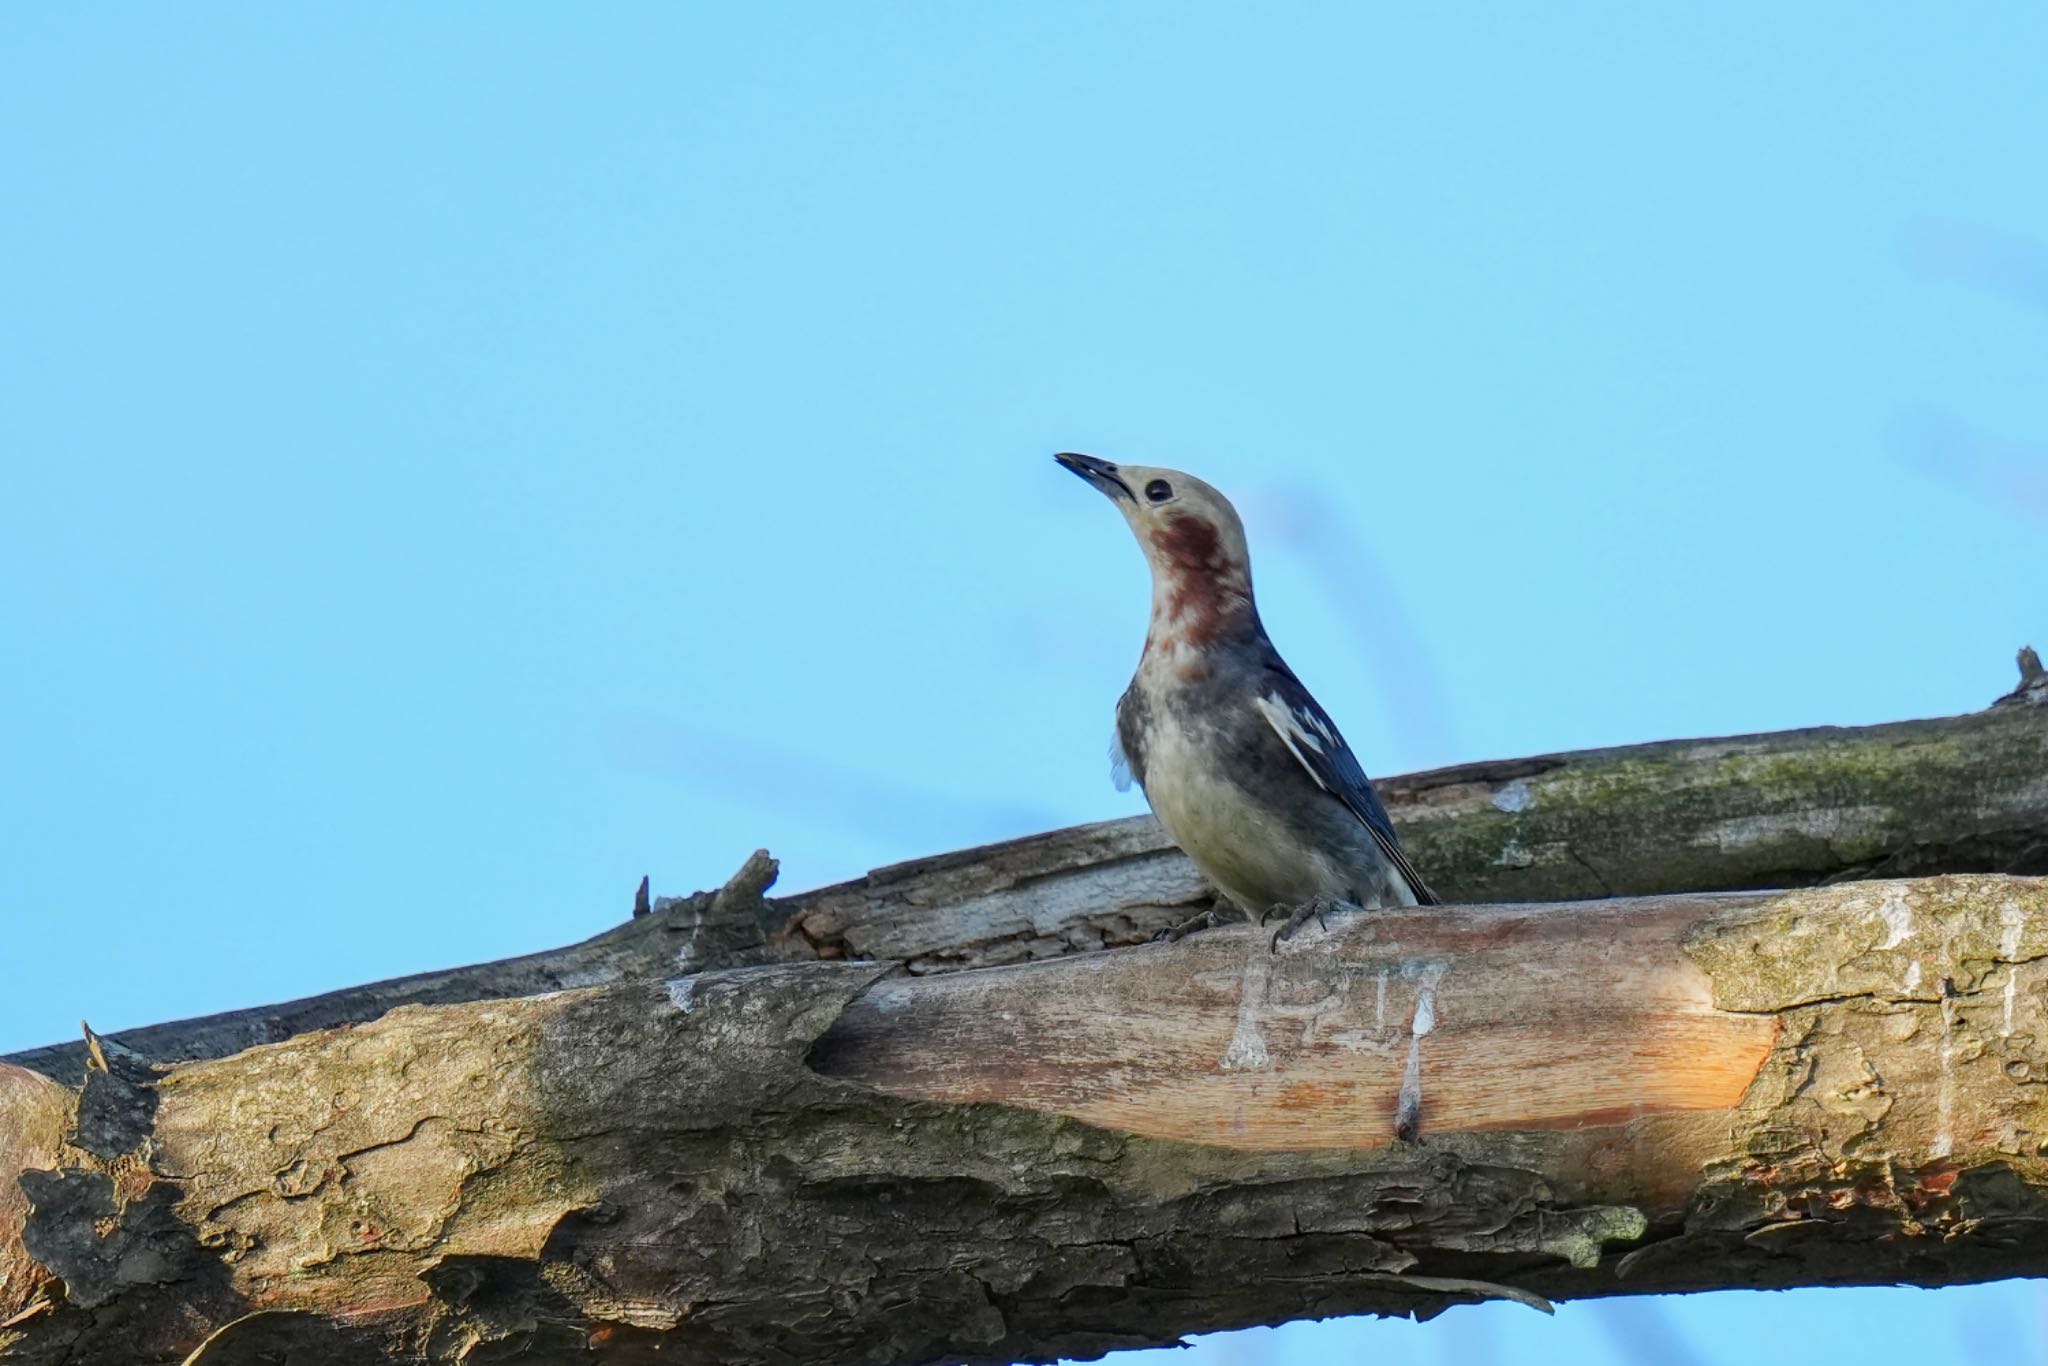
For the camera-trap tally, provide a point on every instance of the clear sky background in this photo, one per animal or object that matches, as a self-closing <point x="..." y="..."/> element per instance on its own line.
<point x="458" y="459"/>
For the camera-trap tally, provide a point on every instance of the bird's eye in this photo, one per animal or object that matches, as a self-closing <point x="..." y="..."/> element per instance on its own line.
<point x="1159" y="490"/>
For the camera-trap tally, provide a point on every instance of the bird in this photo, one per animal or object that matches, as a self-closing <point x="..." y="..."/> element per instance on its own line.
<point x="1243" y="767"/>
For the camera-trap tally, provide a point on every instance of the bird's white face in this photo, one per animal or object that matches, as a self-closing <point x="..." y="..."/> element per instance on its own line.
<point x="1164" y="506"/>
<point x="1192" y="538"/>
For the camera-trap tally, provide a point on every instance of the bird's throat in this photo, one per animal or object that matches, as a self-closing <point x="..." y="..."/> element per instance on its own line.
<point x="1194" y="611"/>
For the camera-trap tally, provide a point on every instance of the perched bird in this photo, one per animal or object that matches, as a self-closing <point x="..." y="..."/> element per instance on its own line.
<point x="1243" y="768"/>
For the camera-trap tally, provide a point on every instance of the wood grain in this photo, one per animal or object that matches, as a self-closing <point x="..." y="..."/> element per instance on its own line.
<point x="1486" y="1017"/>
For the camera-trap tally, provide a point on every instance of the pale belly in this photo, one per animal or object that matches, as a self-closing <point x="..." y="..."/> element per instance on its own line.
<point x="1240" y="846"/>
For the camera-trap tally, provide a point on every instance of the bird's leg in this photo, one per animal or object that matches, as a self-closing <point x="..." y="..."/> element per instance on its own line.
<point x="1316" y="908"/>
<point x="1207" y="920"/>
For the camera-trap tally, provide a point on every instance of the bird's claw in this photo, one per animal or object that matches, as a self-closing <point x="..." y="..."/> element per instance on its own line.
<point x="1297" y="916"/>
<point x="1208" y="919"/>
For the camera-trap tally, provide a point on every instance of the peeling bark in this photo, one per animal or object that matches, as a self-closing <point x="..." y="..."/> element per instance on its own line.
<point x="744" y="1129"/>
<point x="1795" y="808"/>
<point x="828" y="1162"/>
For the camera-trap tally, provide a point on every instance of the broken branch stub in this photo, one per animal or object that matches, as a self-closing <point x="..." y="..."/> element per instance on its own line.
<point x="2033" y="686"/>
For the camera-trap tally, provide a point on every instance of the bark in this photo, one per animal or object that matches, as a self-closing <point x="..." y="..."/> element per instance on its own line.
<point x="1795" y="808"/>
<point x="822" y="1162"/>
<point x="746" y="1129"/>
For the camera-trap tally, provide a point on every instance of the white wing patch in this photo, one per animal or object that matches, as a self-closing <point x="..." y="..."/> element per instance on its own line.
<point x="1287" y="723"/>
<point x="1119" y="763"/>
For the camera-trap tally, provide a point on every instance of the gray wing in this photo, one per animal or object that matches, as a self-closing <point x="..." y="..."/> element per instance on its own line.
<point x="1127" y="742"/>
<point x="1312" y="738"/>
<point x="1119" y="763"/>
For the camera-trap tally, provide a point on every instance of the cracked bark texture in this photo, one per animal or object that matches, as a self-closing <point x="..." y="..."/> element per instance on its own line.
<point x="1795" y="808"/>
<point x="827" y="1162"/>
<point x="742" y="1128"/>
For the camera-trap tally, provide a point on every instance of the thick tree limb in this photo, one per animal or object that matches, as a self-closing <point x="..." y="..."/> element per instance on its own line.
<point x="818" y="1162"/>
<point x="802" y="1160"/>
<point x="1796" y="808"/>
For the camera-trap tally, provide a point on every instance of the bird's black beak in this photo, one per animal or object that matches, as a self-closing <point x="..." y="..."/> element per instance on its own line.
<point x="1100" y="473"/>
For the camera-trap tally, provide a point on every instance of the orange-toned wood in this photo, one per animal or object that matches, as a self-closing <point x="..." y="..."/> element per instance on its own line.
<point x="1387" y="1025"/>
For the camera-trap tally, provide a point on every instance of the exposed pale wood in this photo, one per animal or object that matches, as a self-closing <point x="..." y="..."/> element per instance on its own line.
<point x="819" y="1162"/>
<point x="1519" y="1017"/>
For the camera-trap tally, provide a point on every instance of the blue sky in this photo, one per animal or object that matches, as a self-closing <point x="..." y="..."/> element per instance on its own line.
<point x="457" y="460"/>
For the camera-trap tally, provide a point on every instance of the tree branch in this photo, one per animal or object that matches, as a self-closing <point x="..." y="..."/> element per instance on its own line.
<point x="1795" y="808"/>
<point x="743" y="1129"/>
<point x="818" y="1162"/>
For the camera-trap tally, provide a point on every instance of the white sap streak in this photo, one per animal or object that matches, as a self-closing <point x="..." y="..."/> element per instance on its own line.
<point x="1408" y="1109"/>
<point x="1945" y="1097"/>
<point x="681" y="991"/>
<point x="1379" y="1001"/>
<point x="1246" y="1051"/>
<point x="1897" y="917"/>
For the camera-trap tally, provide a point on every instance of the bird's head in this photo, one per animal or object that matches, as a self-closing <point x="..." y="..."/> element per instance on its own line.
<point x="1192" y="538"/>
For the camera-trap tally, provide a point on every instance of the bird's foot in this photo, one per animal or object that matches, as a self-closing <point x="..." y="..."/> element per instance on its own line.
<point x="1297" y="916"/>
<point x="1207" y="920"/>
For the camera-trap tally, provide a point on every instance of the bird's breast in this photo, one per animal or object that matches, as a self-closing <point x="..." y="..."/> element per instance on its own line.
<point x="1244" y="845"/>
